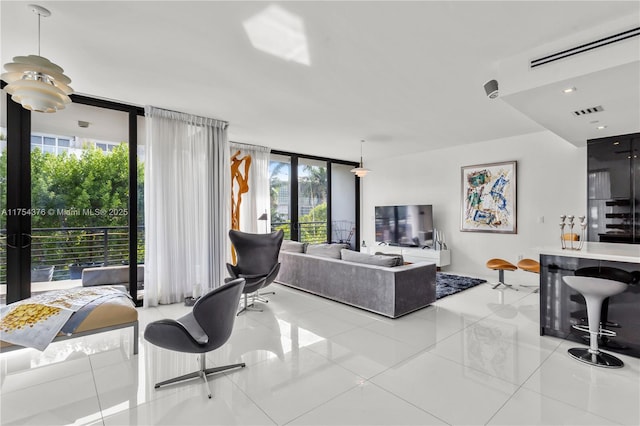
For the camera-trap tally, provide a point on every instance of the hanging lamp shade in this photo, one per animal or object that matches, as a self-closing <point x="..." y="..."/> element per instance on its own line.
<point x="360" y="171"/>
<point x="34" y="81"/>
<point x="37" y="83"/>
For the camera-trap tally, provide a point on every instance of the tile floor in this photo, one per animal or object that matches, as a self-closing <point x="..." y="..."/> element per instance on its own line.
<point x="473" y="358"/>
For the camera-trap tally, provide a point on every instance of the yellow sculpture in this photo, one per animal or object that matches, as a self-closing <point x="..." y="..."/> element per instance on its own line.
<point x="239" y="183"/>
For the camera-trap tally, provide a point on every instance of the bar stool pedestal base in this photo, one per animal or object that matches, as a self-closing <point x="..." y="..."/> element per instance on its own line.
<point x="601" y="359"/>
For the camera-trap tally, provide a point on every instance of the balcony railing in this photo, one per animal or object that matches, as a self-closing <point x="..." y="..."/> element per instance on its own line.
<point x="64" y="247"/>
<point x="308" y="232"/>
<point x="102" y="246"/>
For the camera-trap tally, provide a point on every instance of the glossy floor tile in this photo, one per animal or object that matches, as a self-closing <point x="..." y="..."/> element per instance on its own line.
<point x="473" y="358"/>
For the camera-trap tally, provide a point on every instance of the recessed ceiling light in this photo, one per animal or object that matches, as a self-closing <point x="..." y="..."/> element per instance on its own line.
<point x="616" y="143"/>
<point x="601" y="127"/>
<point x="569" y="90"/>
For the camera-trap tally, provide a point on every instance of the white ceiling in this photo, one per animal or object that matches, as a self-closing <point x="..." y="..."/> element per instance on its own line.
<point x="404" y="76"/>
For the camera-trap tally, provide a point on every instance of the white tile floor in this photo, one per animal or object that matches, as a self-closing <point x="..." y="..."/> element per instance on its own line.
<point x="472" y="358"/>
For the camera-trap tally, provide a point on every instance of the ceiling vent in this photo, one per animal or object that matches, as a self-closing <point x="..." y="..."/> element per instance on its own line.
<point x="587" y="111"/>
<point x="635" y="32"/>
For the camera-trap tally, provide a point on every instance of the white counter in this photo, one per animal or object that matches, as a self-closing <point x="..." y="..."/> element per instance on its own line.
<point x="600" y="251"/>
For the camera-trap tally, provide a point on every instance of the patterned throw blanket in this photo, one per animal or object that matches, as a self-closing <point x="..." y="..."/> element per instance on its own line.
<point x="35" y="322"/>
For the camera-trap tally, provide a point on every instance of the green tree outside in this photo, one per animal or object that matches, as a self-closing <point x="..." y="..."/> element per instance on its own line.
<point x="89" y="191"/>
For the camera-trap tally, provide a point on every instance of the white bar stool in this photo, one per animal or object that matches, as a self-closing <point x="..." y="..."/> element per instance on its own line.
<point x="595" y="290"/>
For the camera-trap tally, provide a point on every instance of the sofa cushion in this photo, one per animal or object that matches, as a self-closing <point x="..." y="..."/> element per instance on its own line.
<point x="293" y="246"/>
<point x="326" y="250"/>
<point x="398" y="257"/>
<point x="369" y="259"/>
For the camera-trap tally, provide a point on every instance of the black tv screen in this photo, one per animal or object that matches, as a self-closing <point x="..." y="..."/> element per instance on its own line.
<point x="409" y="226"/>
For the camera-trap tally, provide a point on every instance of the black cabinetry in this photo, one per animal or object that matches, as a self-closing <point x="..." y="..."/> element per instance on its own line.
<point x="613" y="170"/>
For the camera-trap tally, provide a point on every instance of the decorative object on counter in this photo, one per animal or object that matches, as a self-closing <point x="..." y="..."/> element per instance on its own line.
<point x="488" y="199"/>
<point x="568" y="223"/>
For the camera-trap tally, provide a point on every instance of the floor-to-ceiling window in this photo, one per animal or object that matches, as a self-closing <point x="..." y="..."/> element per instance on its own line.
<point x="79" y="194"/>
<point x="280" y="188"/>
<point x="74" y="181"/>
<point x="314" y="200"/>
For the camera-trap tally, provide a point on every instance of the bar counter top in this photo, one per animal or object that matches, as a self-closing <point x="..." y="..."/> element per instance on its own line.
<point x="615" y="252"/>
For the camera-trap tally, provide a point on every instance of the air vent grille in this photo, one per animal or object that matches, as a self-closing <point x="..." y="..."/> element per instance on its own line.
<point x="587" y="111"/>
<point x="634" y="32"/>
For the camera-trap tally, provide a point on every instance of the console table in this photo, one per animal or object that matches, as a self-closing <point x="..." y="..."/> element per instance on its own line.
<point x="413" y="254"/>
<point x="561" y="307"/>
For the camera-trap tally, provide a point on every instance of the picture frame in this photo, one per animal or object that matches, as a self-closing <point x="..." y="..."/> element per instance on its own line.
<point x="488" y="198"/>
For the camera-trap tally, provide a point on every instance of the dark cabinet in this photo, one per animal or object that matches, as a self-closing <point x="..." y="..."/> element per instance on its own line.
<point x="613" y="170"/>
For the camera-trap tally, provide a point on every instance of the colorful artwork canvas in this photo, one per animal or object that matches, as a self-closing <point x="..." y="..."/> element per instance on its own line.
<point x="489" y="198"/>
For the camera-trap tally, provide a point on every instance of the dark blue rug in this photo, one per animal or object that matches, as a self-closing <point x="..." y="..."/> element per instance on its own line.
<point x="448" y="284"/>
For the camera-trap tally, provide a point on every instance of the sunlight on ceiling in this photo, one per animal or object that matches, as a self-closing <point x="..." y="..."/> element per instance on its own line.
<point x="280" y="33"/>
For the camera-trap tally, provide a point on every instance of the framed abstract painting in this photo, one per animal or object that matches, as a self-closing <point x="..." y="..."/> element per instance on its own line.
<point x="489" y="198"/>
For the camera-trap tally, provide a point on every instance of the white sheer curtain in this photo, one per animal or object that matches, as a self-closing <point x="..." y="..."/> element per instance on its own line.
<point x="186" y="207"/>
<point x="257" y="200"/>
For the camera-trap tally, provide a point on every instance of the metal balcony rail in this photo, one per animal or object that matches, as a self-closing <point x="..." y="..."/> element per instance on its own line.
<point x="308" y="232"/>
<point x="71" y="249"/>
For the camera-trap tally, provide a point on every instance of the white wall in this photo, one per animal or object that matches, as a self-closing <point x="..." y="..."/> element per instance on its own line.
<point x="551" y="180"/>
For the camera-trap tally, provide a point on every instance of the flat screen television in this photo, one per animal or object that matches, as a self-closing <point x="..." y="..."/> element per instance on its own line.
<point x="408" y="226"/>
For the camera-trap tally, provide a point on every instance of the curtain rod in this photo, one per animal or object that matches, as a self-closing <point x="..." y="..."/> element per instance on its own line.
<point x="225" y="122"/>
<point x="248" y="145"/>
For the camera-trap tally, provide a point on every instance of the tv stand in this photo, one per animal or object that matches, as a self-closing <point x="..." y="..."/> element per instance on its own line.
<point x="413" y="254"/>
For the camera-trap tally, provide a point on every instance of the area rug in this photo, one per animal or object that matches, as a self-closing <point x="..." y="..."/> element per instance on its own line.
<point x="448" y="284"/>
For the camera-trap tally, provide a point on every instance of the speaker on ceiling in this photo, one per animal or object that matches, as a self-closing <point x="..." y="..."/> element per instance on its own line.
<point x="491" y="88"/>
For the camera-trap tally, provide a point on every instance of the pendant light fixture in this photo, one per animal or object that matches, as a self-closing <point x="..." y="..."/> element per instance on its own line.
<point x="360" y="171"/>
<point x="35" y="82"/>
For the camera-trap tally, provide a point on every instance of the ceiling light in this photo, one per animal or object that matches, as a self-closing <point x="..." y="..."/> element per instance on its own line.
<point x="569" y="90"/>
<point x="360" y="171"/>
<point x="616" y="143"/>
<point x="35" y="82"/>
<point x="601" y="127"/>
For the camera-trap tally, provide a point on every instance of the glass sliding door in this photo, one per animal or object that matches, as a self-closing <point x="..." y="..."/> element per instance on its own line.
<point x="312" y="201"/>
<point x="72" y="176"/>
<point x="79" y="196"/>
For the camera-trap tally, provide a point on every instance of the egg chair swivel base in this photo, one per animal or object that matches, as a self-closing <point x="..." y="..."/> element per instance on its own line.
<point x="202" y="330"/>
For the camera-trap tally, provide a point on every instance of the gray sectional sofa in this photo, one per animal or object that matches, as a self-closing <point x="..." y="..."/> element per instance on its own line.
<point x="359" y="281"/>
